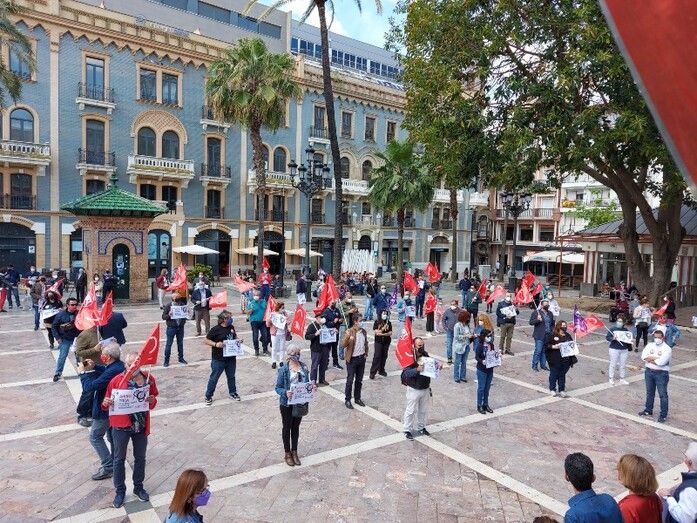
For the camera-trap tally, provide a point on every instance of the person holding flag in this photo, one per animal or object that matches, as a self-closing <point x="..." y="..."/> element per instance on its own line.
<point x="430" y="311"/>
<point x="333" y="320"/>
<point x="543" y="322"/>
<point x="265" y="279"/>
<point x="64" y="332"/>
<point x="319" y="352"/>
<point x="216" y="338"/>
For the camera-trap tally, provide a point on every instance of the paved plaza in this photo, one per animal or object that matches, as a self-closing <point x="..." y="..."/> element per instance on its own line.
<point x="357" y="464"/>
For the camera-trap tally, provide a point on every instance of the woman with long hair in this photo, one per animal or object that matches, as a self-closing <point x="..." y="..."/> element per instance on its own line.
<point x="558" y="365"/>
<point x="484" y="323"/>
<point x="278" y="327"/>
<point x="642" y="504"/>
<point x="191" y="492"/>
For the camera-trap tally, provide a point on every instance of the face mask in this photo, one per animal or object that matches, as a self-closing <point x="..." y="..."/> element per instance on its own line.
<point x="658" y="341"/>
<point x="480" y="323"/>
<point x="487" y="339"/>
<point x="202" y="498"/>
<point x="96" y="278"/>
<point x="348" y="300"/>
<point x="508" y="299"/>
<point x="256" y="296"/>
<point x="406" y="296"/>
<point x="104" y="358"/>
<point x="545" y="307"/>
<point x="564" y="328"/>
<point x="383" y="316"/>
<point x="322" y="321"/>
<point x="620" y="323"/>
<point x="420" y="350"/>
<point x="295" y="357"/>
<point x="383" y="289"/>
<point x="453" y="307"/>
<point x="229" y="322"/>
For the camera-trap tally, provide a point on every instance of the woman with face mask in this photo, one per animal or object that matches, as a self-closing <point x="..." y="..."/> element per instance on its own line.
<point x="220" y="363"/>
<point x="430" y="311"/>
<point x="485" y="375"/>
<point x="484" y="323"/>
<point x="382" y="328"/>
<point x="278" y="328"/>
<point x="190" y="494"/>
<point x="558" y="365"/>
<point x="290" y="375"/>
<point x="98" y="287"/>
<point x="462" y="337"/>
<point x="619" y="351"/>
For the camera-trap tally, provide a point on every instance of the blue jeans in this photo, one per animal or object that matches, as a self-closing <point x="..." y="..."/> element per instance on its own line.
<point x="460" y="366"/>
<point x="420" y="300"/>
<point x="63" y="350"/>
<point x="342" y="331"/>
<point x="177" y="331"/>
<point x="227" y="365"/>
<point x="100" y="428"/>
<point x="557" y="377"/>
<point x="369" y="308"/>
<point x="259" y="333"/>
<point x="13" y="291"/>
<point x="265" y="291"/>
<point x="120" y="446"/>
<point x="36" y="316"/>
<point x="483" y="385"/>
<point x="538" y="357"/>
<point x="656" y="380"/>
<point x="449" y="335"/>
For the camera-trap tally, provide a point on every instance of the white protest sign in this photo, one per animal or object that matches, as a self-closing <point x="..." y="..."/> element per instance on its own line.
<point x="129" y="401"/>
<point x="279" y="320"/>
<point x="554" y="308"/>
<point x="431" y="369"/>
<point x="232" y="348"/>
<point x="624" y="336"/>
<point x="410" y="311"/>
<point x="327" y="335"/>
<point x="568" y="348"/>
<point x="48" y="313"/>
<point x="509" y="311"/>
<point x="179" y="312"/>
<point x="302" y="393"/>
<point x="493" y="359"/>
<point x="301" y="298"/>
<point x="694" y="321"/>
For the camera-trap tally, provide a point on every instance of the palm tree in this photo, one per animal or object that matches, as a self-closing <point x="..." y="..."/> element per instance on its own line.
<point x="250" y="86"/>
<point x="10" y="83"/>
<point x="400" y="183"/>
<point x="322" y="6"/>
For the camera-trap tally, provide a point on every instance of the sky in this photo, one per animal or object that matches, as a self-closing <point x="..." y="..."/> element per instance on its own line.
<point x="367" y="27"/>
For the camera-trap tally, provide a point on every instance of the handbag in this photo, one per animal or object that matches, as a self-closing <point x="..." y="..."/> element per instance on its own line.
<point x="289" y="336"/>
<point x="300" y="410"/>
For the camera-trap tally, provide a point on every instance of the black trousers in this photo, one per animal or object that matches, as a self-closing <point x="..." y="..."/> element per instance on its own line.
<point x="320" y="362"/>
<point x="429" y="321"/>
<point x="291" y="428"/>
<point x="335" y="355"/>
<point x="354" y="377"/>
<point x="379" y="357"/>
<point x="642" y="331"/>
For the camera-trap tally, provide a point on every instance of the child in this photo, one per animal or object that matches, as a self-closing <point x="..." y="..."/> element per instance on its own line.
<point x="440" y="309"/>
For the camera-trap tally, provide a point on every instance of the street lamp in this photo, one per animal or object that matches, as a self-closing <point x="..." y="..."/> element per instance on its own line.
<point x="309" y="180"/>
<point x="514" y="204"/>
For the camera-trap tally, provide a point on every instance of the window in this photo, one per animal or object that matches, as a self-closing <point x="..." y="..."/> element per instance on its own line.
<point x="278" y="206"/>
<point x="94" y="141"/>
<point x="265" y="153"/>
<point x="279" y="160"/>
<point x="365" y="170"/>
<point x="148" y="191"/>
<point x="158" y="252"/>
<point x="248" y="23"/>
<point x="170" y="89"/>
<point x="213" y="146"/>
<point x="375" y="67"/>
<point x="148" y="89"/>
<point x="446" y="214"/>
<point x="436" y="214"/>
<point x="391" y="131"/>
<point x="369" y="128"/>
<point x="21" y="126"/>
<point x="316" y="206"/>
<point x="94" y="186"/>
<point x="213" y="209"/>
<point x="318" y="157"/>
<point x="214" y="12"/>
<point x="294" y="45"/>
<point x="546" y="234"/>
<point x="169" y="194"/>
<point x="346" y="124"/>
<point x="319" y="117"/>
<point x="18" y="66"/>
<point x="146" y="142"/>
<point x="509" y="233"/>
<point x="20" y="191"/>
<point x="94" y="77"/>
<point x="526" y="234"/>
<point x="170" y="145"/>
<point x="179" y="4"/>
<point x="345" y="167"/>
<point x="365" y="209"/>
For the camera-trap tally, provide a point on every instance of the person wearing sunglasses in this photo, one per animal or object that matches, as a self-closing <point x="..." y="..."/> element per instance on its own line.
<point x="65" y="332"/>
<point x="190" y="494"/>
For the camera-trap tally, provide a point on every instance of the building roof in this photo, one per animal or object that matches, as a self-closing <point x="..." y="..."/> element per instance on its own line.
<point x="114" y="202"/>
<point x="688" y="219"/>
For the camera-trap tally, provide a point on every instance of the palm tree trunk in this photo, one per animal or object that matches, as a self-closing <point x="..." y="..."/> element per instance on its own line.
<point x="260" y="172"/>
<point x="333" y="141"/>
<point x="400" y="243"/>
<point x="454" y="211"/>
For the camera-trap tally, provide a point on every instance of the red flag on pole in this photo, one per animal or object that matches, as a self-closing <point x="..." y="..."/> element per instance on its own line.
<point x="482" y="289"/>
<point x="537" y="289"/>
<point x="3" y="297"/>
<point x="660" y="312"/>
<point x="297" y="326"/>
<point x="146" y="356"/>
<point x="432" y="273"/>
<point x="329" y="294"/>
<point x="270" y="307"/>
<point x="242" y="286"/>
<point x="410" y="283"/>
<point x="106" y="311"/>
<point x="55" y="287"/>
<point x="332" y="291"/>
<point x="498" y="292"/>
<point x="265" y="263"/>
<point x="88" y="316"/>
<point x="218" y="300"/>
<point x="405" y="346"/>
<point x="592" y="323"/>
<point x="523" y="296"/>
<point x="179" y="280"/>
<point x="528" y="279"/>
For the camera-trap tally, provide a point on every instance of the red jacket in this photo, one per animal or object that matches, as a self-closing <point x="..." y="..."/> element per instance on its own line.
<point x="265" y="278"/>
<point x="160" y="282"/>
<point x="124" y="420"/>
<point x="430" y="304"/>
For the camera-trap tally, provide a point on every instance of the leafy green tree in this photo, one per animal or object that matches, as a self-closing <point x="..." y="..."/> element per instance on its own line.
<point x="400" y="183"/>
<point x="557" y="96"/>
<point x="10" y="83"/>
<point x="322" y="6"/>
<point x="597" y="212"/>
<point x="250" y="86"/>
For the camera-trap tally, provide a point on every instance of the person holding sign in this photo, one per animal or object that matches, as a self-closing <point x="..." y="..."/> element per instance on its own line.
<point x="620" y="339"/>
<point x="223" y="356"/>
<point x="129" y="398"/>
<point x="202" y="310"/>
<point x="485" y="354"/>
<point x="51" y="306"/>
<point x="418" y="393"/>
<point x="382" y="328"/>
<point x="462" y="337"/>
<point x="318" y="351"/>
<point x="506" y="314"/>
<point x="278" y="327"/>
<point x="543" y="322"/>
<point x="288" y="377"/>
<point x="175" y="315"/>
<point x="559" y="364"/>
<point x="355" y="344"/>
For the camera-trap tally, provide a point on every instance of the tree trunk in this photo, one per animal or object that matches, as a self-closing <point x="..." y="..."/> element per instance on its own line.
<point x="260" y="172"/>
<point x="502" y="254"/>
<point x="400" y="243"/>
<point x="333" y="141"/>
<point x="454" y="212"/>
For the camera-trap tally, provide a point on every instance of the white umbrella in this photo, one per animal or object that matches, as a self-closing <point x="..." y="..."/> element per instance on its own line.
<point x="195" y="250"/>
<point x="301" y="253"/>
<point x="252" y="251"/>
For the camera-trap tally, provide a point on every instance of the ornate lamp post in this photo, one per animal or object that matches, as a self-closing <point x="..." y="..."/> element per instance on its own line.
<point x="514" y="204"/>
<point x="309" y="180"/>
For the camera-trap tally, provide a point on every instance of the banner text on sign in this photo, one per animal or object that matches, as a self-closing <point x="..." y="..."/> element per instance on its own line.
<point x="327" y="335"/>
<point x="302" y="393"/>
<point x="232" y="348"/>
<point x="130" y="401"/>
<point x="179" y="312"/>
<point x="568" y="348"/>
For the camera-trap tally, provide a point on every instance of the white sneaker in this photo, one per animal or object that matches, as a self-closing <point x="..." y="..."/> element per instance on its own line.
<point x="430" y="335"/>
<point x="563" y="394"/>
<point x="553" y="393"/>
<point x="612" y="381"/>
<point x="624" y="382"/>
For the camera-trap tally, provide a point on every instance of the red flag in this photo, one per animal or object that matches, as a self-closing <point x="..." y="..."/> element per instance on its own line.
<point x="660" y="312"/>
<point x="55" y="287"/>
<point x="297" y="326"/>
<point x="242" y="286"/>
<point x="88" y="316"/>
<point x="3" y="297"/>
<point x="270" y="307"/>
<point x="432" y="273"/>
<point x="332" y="291"/>
<point x="537" y="290"/>
<point x="528" y="279"/>
<point x="405" y="346"/>
<point x="91" y="297"/>
<point x="430" y="303"/>
<point x="523" y="295"/>
<point x="218" y="300"/>
<point x="265" y="263"/>
<point x="146" y="356"/>
<point x="482" y="289"/>
<point x="498" y="292"/>
<point x="592" y="323"/>
<point x="329" y="294"/>
<point x="410" y="283"/>
<point x="179" y="280"/>
<point x="106" y="311"/>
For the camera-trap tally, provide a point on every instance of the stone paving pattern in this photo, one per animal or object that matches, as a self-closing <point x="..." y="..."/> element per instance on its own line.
<point x="357" y="466"/>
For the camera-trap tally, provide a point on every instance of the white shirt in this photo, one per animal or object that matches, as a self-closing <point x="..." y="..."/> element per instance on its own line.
<point x="684" y="511"/>
<point x="359" y="347"/>
<point x="663" y="354"/>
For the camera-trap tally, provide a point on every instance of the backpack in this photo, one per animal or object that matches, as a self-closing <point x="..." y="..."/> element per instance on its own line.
<point x="403" y="377"/>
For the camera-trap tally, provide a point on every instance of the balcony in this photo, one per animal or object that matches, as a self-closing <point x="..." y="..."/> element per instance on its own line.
<point x="346" y="219"/>
<point x="214" y="212"/>
<point x="273" y="180"/>
<point x="479" y="199"/>
<point x="443" y="196"/>
<point x="318" y="135"/>
<point x="536" y="213"/>
<point x="15" y="153"/>
<point x="391" y="221"/>
<point x="350" y="186"/>
<point x="208" y="119"/>
<point x="440" y="225"/>
<point x="215" y="173"/>
<point x="161" y="168"/>
<point x="95" y="160"/>
<point x="13" y="201"/>
<point x="317" y="218"/>
<point x="95" y="96"/>
<point x="272" y="215"/>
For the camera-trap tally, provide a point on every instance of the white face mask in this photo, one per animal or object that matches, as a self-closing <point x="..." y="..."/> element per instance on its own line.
<point x="658" y="341"/>
<point x="508" y="298"/>
<point x="453" y="307"/>
<point x="480" y="322"/>
<point x="383" y="316"/>
<point x="322" y="321"/>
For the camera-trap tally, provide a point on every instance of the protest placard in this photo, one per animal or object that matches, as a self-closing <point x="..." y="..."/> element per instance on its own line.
<point x="509" y="311"/>
<point x="410" y="311"/>
<point x="232" y="348"/>
<point x="624" y="336"/>
<point x="327" y="335"/>
<point x="302" y="393"/>
<point x="129" y="401"/>
<point x="301" y="299"/>
<point x="48" y="313"/>
<point x="179" y="312"/>
<point x="430" y="368"/>
<point x="568" y="348"/>
<point x="493" y="359"/>
<point x="694" y="321"/>
<point x="554" y="308"/>
<point x="279" y="320"/>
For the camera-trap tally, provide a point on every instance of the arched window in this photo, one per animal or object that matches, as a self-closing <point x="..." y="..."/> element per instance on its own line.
<point x="21" y="126"/>
<point x="365" y="169"/>
<point x="345" y="167"/>
<point x="279" y="160"/>
<point x="170" y="145"/>
<point x="146" y="141"/>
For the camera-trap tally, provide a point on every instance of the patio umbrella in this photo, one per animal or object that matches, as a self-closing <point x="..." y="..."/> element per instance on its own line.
<point x="252" y="251"/>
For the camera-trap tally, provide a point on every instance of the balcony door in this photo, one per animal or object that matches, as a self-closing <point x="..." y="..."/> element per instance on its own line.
<point x="319" y="117"/>
<point x="94" y="140"/>
<point x="213" y="147"/>
<point x="20" y="191"/>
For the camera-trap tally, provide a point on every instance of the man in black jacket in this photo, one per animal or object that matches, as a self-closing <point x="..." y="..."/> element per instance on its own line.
<point x="506" y="322"/>
<point x="418" y="392"/>
<point x="114" y="328"/>
<point x="175" y="327"/>
<point x="64" y="332"/>
<point x="318" y="351"/>
<point x="301" y="289"/>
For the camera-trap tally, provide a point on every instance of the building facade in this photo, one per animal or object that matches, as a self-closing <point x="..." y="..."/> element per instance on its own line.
<point x="119" y="87"/>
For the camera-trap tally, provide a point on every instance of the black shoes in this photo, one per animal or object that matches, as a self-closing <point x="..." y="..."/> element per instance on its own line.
<point x="56" y="377"/>
<point x="424" y="432"/>
<point x="487" y="408"/>
<point x="323" y="383"/>
<point x="383" y="374"/>
<point x="273" y="365"/>
<point x="166" y="363"/>
<point x="337" y="366"/>
<point x="348" y="404"/>
<point x="408" y="435"/>
<point x="360" y="403"/>
<point x="235" y="396"/>
<point x="141" y="494"/>
<point x="481" y="410"/>
<point x="118" y="500"/>
<point x="182" y="361"/>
